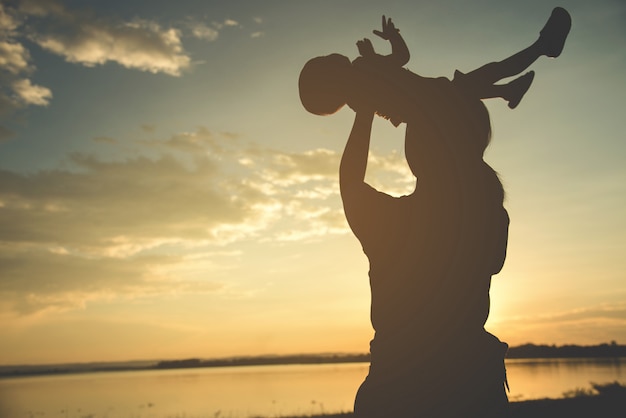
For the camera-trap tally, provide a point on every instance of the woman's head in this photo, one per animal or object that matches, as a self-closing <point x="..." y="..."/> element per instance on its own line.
<point x="453" y="130"/>
<point x="323" y="82"/>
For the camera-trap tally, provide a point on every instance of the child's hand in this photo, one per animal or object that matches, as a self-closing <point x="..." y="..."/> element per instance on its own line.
<point x="388" y="29"/>
<point x="365" y="47"/>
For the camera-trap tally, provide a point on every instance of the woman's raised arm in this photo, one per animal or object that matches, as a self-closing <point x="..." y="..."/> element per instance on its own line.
<point x="354" y="158"/>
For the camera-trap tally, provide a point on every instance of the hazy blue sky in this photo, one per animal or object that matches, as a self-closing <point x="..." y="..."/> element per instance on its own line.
<point x="164" y="194"/>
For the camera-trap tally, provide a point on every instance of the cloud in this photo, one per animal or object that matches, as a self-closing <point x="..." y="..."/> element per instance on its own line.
<point x="586" y="325"/>
<point x="47" y="281"/>
<point x="315" y="222"/>
<point x="390" y="173"/>
<point x="306" y="186"/>
<point x="82" y="37"/>
<point x="44" y="280"/>
<point x="602" y="312"/>
<point x="13" y="56"/>
<point x="259" y="33"/>
<point x="231" y="22"/>
<point x="99" y="229"/>
<point x="30" y="94"/>
<point x="209" y="32"/>
<point x="298" y="168"/>
<point x="94" y="206"/>
<point x="192" y="142"/>
<point x="202" y="31"/>
<point x="16" y="89"/>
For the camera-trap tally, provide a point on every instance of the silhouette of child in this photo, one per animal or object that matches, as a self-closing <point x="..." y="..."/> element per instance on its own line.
<point x="327" y="83"/>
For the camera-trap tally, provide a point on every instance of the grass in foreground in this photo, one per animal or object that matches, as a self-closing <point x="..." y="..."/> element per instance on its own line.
<point x="602" y="401"/>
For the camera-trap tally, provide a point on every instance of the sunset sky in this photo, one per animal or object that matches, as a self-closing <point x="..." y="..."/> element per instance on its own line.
<point x="163" y="194"/>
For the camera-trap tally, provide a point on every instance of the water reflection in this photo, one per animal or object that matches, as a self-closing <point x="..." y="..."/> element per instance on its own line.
<point x="540" y="378"/>
<point x="268" y="391"/>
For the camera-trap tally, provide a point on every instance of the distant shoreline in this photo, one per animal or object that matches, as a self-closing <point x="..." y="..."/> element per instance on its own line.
<point x="526" y="351"/>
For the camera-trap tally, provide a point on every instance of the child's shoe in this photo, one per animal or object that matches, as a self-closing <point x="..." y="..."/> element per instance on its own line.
<point x="518" y="87"/>
<point x="554" y="33"/>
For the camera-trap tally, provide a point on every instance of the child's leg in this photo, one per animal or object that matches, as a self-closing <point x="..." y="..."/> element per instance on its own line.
<point x="554" y="33"/>
<point x="511" y="92"/>
<point x="493" y="72"/>
<point x="550" y="43"/>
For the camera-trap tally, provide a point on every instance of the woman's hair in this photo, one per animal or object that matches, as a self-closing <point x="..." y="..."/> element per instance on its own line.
<point x="322" y="84"/>
<point x="480" y="125"/>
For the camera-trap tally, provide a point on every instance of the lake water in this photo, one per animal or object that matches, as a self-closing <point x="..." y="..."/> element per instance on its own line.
<point x="268" y="391"/>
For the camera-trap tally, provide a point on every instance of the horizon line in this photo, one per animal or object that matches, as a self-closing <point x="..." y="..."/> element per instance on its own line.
<point x="320" y="355"/>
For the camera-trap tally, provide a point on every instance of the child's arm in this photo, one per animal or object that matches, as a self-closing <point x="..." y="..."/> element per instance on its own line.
<point x="399" y="50"/>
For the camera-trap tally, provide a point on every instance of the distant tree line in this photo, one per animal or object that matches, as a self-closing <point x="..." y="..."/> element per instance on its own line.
<point x="567" y="351"/>
<point x="523" y="351"/>
<point x="265" y="360"/>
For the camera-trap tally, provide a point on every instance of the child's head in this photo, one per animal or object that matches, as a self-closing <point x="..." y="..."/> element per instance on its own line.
<point x="323" y="82"/>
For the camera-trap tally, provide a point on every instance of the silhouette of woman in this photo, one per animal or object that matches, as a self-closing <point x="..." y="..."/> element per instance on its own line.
<point x="432" y="253"/>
